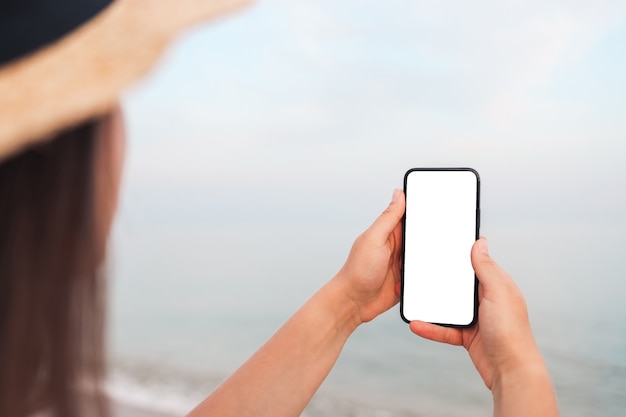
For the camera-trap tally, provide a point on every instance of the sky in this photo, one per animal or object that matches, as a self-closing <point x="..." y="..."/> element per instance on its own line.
<point x="321" y="101"/>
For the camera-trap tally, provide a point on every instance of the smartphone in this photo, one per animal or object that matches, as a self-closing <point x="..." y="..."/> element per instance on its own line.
<point x="441" y="223"/>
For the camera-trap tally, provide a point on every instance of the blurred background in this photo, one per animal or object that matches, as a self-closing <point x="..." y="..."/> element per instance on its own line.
<point x="265" y="143"/>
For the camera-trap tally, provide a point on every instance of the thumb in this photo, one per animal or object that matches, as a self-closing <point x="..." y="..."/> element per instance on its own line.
<point x="389" y="219"/>
<point x="487" y="270"/>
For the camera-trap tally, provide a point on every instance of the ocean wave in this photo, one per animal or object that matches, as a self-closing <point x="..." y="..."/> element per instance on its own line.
<point x="163" y="389"/>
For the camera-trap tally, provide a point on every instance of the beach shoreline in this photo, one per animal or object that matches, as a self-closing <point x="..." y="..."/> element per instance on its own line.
<point x="122" y="409"/>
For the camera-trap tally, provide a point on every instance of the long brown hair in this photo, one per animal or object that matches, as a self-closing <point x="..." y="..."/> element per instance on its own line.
<point x="51" y="291"/>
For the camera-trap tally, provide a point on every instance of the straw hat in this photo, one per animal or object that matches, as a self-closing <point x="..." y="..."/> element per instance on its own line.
<point x="81" y="65"/>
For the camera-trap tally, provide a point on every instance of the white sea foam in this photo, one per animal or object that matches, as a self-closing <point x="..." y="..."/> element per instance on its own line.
<point x="126" y="390"/>
<point x="150" y="386"/>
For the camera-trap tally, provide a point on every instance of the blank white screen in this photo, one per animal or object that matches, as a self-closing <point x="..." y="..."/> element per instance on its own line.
<point x="440" y="230"/>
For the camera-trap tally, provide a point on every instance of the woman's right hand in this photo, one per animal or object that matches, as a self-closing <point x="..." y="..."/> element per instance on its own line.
<point x="501" y="344"/>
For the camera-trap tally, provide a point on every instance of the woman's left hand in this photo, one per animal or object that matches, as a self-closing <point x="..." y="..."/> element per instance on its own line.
<point x="371" y="275"/>
<point x="282" y="376"/>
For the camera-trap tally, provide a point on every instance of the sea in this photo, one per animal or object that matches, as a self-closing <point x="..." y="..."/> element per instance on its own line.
<point x="199" y="279"/>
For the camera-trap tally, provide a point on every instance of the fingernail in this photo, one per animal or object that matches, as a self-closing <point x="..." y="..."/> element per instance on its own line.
<point x="395" y="196"/>
<point x="482" y="246"/>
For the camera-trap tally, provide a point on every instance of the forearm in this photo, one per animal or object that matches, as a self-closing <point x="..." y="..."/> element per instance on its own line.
<point x="525" y="392"/>
<point x="282" y="376"/>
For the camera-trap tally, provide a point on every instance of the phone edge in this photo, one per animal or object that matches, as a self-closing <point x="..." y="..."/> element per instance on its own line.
<point x="476" y="237"/>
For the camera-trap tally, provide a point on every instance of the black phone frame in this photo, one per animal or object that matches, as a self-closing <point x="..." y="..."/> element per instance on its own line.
<point x="476" y="237"/>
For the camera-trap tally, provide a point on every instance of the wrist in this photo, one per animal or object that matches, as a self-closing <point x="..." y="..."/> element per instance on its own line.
<point x="345" y="309"/>
<point x="524" y="373"/>
<point x="525" y="391"/>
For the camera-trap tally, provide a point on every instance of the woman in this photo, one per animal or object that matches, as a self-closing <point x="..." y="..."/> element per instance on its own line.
<point x="61" y="152"/>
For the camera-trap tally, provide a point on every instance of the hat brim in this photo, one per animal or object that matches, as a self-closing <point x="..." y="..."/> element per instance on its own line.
<point x="82" y="75"/>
